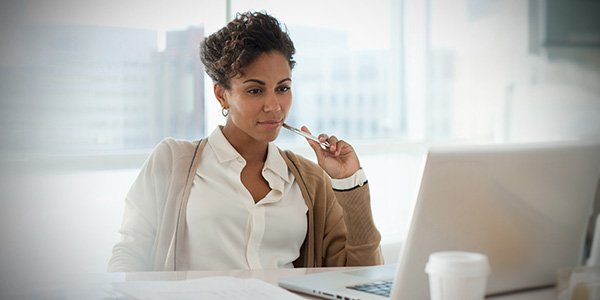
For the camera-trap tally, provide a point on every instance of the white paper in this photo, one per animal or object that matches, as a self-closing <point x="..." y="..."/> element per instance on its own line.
<point x="217" y="288"/>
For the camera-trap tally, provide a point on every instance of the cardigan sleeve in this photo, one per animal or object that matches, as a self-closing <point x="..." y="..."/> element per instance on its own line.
<point x="351" y="236"/>
<point x="143" y="207"/>
<point x="362" y="238"/>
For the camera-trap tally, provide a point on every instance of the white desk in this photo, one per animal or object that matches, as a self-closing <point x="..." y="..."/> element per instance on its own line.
<point x="272" y="276"/>
<point x="545" y="294"/>
<point x="269" y="275"/>
<point x="97" y="286"/>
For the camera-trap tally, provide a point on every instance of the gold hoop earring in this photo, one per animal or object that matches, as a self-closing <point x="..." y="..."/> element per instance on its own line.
<point x="225" y="111"/>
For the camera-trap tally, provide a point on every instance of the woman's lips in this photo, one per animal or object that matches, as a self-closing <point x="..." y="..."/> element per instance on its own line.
<point x="270" y="124"/>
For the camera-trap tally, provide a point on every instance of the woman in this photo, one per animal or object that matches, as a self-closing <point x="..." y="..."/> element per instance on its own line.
<point x="236" y="201"/>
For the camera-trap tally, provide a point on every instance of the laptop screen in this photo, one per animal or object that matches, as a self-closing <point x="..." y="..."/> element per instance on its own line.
<point x="525" y="206"/>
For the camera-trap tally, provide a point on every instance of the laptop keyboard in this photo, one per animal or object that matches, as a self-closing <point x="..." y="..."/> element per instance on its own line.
<point x="381" y="288"/>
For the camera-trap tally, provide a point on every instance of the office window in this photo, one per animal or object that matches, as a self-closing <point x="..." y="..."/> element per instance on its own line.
<point x="87" y="88"/>
<point x="99" y="77"/>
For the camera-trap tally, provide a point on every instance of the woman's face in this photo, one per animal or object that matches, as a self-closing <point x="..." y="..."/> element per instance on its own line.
<point x="259" y="100"/>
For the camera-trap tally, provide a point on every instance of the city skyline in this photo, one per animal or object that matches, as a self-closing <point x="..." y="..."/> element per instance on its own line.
<point x="100" y="88"/>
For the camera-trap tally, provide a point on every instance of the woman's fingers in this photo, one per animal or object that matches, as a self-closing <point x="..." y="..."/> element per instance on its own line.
<point x="316" y="146"/>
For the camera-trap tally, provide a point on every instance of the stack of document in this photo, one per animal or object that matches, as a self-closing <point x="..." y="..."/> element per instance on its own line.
<point x="217" y="288"/>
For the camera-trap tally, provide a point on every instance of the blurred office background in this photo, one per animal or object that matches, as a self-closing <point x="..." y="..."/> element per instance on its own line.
<point x="87" y="88"/>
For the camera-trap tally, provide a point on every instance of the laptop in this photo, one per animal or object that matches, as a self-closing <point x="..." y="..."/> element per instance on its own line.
<point x="526" y="207"/>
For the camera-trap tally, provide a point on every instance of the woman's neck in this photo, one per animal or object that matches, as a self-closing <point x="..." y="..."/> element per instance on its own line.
<point x="250" y="149"/>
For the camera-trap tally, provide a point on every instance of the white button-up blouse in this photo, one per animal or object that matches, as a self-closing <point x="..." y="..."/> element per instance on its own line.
<point x="226" y="229"/>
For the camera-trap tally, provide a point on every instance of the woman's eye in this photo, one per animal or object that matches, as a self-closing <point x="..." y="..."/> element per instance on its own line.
<point x="283" y="89"/>
<point x="254" y="91"/>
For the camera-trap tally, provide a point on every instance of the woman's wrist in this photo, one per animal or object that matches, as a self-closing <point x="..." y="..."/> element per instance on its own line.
<point x="359" y="178"/>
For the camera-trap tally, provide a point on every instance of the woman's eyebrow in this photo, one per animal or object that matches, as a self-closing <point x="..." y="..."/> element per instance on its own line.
<point x="255" y="80"/>
<point x="264" y="83"/>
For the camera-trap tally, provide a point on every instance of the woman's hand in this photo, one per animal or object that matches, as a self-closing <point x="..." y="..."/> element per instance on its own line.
<point x="339" y="160"/>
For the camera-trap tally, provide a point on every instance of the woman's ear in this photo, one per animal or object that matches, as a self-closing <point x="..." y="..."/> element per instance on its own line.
<point x="219" y="91"/>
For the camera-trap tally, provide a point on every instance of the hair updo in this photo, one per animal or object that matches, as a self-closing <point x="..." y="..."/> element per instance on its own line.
<point x="226" y="52"/>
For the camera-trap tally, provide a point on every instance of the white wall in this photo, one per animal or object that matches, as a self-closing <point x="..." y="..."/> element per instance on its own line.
<point x="58" y="222"/>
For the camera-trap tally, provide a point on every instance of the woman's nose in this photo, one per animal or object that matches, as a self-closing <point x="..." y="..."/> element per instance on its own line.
<point x="272" y="103"/>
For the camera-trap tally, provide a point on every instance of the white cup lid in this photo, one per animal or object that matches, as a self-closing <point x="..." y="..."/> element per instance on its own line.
<point x="458" y="263"/>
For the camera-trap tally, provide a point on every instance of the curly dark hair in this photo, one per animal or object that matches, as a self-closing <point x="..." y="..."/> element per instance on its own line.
<point x="226" y="52"/>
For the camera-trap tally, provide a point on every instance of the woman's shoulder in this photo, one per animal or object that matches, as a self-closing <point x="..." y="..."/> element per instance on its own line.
<point x="172" y="150"/>
<point x="176" y="146"/>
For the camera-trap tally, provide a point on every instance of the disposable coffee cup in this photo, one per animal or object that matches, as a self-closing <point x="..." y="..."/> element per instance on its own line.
<point x="457" y="275"/>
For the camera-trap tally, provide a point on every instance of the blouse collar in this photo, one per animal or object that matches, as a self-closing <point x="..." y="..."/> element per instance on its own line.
<point x="226" y="153"/>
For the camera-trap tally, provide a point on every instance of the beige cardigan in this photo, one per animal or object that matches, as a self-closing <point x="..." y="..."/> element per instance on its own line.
<point x="340" y="230"/>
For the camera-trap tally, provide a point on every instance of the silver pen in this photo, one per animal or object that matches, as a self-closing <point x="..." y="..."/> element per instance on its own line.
<point x="306" y="135"/>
